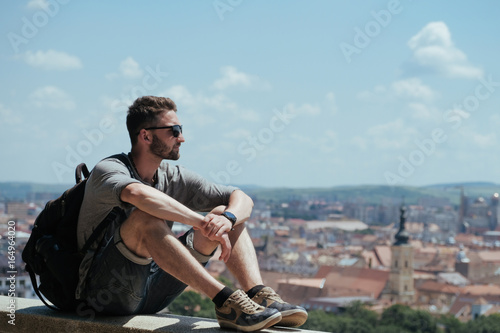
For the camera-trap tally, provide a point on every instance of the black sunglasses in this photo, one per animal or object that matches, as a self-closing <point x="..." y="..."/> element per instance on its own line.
<point x="176" y="129"/>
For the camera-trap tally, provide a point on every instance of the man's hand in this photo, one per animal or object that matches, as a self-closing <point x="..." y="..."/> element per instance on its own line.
<point x="226" y="247"/>
<point x="215" y="227"/>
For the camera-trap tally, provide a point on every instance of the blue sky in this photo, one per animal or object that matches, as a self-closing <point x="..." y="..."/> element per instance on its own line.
<point x="270" y="93"/>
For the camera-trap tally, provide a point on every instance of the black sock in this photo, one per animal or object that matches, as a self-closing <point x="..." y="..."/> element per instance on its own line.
<point x="252" y="292"/>
<point x="222" y="296"/>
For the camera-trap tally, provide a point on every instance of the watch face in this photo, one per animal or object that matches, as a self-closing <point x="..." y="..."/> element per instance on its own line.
<point x="230" y="216"/>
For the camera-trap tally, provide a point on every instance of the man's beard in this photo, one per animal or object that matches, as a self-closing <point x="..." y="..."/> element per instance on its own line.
<point x="160" y="149"/>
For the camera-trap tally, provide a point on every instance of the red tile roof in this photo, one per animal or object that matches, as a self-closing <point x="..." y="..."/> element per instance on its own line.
<point x="482" y="290"/>
<point x="384" y="254"/>
<point x="462" y="305"/>
<point x="371" y="257"/>
<point x="433" y="286"/>
<point x="353" y="280"/>
<point x="491" y="256"/>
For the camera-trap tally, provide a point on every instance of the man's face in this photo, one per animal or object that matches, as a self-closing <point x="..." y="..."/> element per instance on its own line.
<point x="164" y="144"/>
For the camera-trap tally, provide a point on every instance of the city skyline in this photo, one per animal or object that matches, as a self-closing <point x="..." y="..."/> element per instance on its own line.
<point x="282" y="94"/>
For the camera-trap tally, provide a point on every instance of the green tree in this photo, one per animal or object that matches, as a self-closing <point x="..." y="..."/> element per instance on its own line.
<point x="225" y="281"/>
<point x="328" y="322"/>
<point x="357" y="310"/>
<point x="318" y="320"/>
<point x="489" y="324"/>
<point x="411" y="320"/>
<point x="390" y="329"/>
<point x="393" y="315"/>
<point x="358" y="326"/>
<point x="191" y="303"/>
<point x="450" y="324"/>
<point x="338" y="323"/>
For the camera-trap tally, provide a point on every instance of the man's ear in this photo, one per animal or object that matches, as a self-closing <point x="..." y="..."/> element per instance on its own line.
<point x="144" y="136"/>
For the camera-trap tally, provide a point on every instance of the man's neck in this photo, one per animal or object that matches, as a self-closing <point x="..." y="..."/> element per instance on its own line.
<point x="145" y="165"/>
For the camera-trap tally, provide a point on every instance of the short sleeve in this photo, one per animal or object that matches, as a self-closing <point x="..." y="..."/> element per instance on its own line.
<point x="107" y="181"/>
<point x="196" y="192"/>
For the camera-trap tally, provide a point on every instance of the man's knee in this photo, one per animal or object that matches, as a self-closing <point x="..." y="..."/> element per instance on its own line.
<point x="200" y="247"/>
<point x="143" y="221"/>
<point x="138" y="230"/>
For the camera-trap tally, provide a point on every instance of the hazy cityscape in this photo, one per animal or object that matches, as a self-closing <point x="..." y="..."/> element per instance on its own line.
<point x="326" y="248"/>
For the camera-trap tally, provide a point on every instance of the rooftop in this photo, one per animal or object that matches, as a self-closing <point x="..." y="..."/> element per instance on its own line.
<point x="433" y="286"/>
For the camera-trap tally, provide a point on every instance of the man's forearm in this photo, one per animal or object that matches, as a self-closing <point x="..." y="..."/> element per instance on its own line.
<point x="240" y="204"/>
<point x="160" y="205"/>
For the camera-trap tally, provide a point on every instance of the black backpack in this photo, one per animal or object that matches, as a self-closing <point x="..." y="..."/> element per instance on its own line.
<point x="52" y="249"/>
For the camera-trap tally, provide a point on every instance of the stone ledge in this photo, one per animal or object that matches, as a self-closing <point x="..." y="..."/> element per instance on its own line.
<point x="32" y="316"/>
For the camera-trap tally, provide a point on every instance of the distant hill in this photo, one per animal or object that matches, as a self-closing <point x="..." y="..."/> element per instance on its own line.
<point x="372" y="194"/>
<point x="376" y="194"/>
<point x="467" y="185"/>
<point x="21" y="190"/>
<point x="471" y="189"/>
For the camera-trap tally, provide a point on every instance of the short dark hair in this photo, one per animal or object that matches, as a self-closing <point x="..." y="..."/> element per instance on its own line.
<point x="144" y="112"/>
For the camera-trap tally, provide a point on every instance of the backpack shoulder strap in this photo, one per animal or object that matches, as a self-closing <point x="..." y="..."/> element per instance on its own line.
<point x="34" y="283"/>
<point x="124" y="159"/>
<point x="100" y="228"/>
<point x="81" y="169"/>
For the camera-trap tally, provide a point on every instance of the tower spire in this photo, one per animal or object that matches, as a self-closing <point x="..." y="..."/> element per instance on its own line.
<point x="402" y="235"/>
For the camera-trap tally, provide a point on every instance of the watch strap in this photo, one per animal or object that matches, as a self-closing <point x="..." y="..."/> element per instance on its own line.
<point x="231" y="217"/>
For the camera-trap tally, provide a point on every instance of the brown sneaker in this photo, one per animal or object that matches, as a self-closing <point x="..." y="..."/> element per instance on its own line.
<point x="292" y="315"/>
<point x="239" y="312"/>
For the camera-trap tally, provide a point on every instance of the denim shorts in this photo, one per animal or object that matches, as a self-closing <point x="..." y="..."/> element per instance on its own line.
<point x="122" y="283"/>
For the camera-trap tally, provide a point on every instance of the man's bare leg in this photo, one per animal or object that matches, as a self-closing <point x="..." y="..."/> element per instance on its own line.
<point x="244" y="266"/>
<point x="243" y="262"/>
<point x="166" y="250"/>
<point x="148" y="236"/>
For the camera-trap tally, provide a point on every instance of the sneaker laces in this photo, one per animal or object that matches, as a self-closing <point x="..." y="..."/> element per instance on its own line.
<point x="245" y="303"/>
<point x="270" y="294"/>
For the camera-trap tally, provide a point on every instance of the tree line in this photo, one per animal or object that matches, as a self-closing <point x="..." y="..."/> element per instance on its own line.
<point x="357" y="318"/>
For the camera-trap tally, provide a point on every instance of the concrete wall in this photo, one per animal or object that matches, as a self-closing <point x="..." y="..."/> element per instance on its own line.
<point x="32" y="316"/>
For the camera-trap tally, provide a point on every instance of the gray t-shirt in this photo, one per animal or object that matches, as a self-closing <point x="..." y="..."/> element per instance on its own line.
<point x="110" y="176"/>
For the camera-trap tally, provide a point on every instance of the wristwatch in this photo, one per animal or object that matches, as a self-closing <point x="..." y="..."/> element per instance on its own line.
<point x="230" y="216"/>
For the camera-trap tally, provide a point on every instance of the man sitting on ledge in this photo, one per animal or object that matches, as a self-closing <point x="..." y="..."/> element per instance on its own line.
<point x="140" y="266"/>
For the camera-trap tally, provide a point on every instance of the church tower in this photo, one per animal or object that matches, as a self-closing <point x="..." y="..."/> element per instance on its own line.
<point x="400" y="288"/>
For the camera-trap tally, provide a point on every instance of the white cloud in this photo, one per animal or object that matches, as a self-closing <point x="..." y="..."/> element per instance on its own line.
<point x="468" y="137"/>
<point x="409" y="89"/>
<point x="495" y="120"/>
<point x="305" y="108"/>
<point x="202" y="107"/>
<point x="114" y="104"/>
<point x="359" y="142"/>
<point x="330" y="103"/>
<point x="326" y="142"/>
<point x="181" y="96"/>
<point x="52" y="60"/>
<point x="421" y="111"/>
<point x="51" y="97"/>
<point x="412" y="88"/>
<point x="38" y="4"/>
<point x="484" y="140"/>
<point x="218" y="102"/>
<point x="7" y="117"/>
<point x="238" y="134"/>
<point x="434" y="50"/>
<point x="392" y="135"/>
<point x="231" y="77"/>
<point x="128" y="68"/>
<point x="329" y="142"/>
